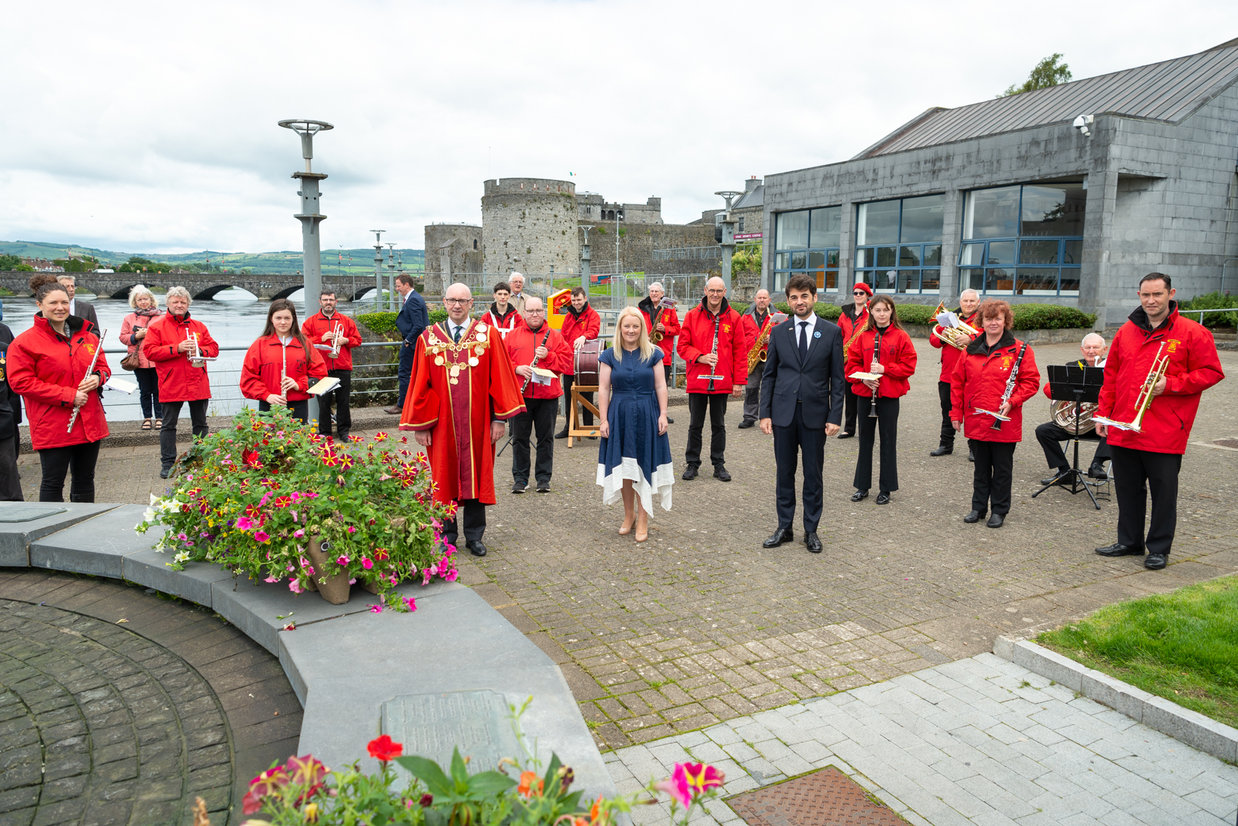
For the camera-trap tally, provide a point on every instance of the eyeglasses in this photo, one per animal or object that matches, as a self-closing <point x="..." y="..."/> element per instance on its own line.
<point x="457" y="301"/>
<point x="859" y="292"/>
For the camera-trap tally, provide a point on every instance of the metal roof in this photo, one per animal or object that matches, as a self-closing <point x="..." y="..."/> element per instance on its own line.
<point x="1166" y="91"/>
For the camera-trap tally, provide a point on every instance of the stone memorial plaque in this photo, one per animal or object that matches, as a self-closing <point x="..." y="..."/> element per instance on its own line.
<point x="432" y="725"/>
<point x="28" y="513"/>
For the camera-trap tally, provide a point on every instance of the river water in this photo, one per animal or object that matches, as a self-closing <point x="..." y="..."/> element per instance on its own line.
<point x="235" y="318"/>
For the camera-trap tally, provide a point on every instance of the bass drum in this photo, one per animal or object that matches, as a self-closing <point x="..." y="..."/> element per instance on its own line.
<point x="586" y="363"/>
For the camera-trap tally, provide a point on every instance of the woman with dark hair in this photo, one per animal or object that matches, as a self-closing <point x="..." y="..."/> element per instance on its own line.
<point x="280" y="366"/>
<point x="992" y="379"/>
<point x="50" y="366"/>
<point x="883" y="348"/>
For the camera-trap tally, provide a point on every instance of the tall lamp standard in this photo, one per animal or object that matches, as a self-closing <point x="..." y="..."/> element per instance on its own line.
<point x="378" y="268"/>
<point x="391" y="275"/>
<point x="309" y="216"/>
<point x="728" y="236"/>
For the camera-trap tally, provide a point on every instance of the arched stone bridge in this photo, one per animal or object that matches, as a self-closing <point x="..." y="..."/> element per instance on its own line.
<point x="201" y="286"/>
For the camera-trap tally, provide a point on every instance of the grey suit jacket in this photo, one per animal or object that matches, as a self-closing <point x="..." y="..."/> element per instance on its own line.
<point x="816" y="385"/>
<point x="86" y="310"/>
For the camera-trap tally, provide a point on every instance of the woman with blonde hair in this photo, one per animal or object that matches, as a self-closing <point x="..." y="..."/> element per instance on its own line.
<point x="634" y="457"/>
<point x="132" y="332"/>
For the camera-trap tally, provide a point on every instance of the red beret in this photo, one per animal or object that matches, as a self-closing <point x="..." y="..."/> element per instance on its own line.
<point x="860" y="285"/>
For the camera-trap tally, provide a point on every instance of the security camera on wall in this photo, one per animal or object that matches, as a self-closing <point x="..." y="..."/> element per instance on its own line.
<point x="1084" y="124"/>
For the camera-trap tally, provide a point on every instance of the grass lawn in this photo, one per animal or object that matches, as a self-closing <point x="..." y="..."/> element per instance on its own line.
<point x="1182" y="646"/>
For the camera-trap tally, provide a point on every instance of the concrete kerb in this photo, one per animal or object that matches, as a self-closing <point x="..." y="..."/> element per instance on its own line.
<point x="1182" y="724"/>
<point x="343" y="667"/>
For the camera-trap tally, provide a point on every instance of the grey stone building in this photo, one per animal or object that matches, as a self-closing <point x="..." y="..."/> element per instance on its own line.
<point x="1065" y="195"/>
<point x="452" y="252"/>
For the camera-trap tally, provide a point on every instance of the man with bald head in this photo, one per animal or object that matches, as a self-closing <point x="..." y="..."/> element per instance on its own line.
<point x="1051" y="435"/>
<point x="536" y="347"/>
<point x="462" y="390"/>
<point x="951" y="343"/>
<point x="756" y="319"/>
<point x="713" y="344"/>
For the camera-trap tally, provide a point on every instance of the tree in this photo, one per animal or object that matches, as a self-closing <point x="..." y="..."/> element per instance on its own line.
<point x="9" y="262"/>
<point x="1048" y="72"/>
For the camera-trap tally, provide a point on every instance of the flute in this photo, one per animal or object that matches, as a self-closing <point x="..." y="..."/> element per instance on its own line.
<point x="89" y="370"/>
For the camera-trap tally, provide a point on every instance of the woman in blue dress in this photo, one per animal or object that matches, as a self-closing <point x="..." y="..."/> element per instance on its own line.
<point x="634" y="458"/>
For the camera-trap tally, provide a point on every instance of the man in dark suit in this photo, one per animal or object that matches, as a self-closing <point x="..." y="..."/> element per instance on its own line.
<point x="78" y="307"/>
<point x="411" y="320"/>
<point x="801" y="404"/>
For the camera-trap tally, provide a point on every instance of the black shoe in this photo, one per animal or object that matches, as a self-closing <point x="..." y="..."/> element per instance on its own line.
<point x="1097" y="471"/>
<point x="845" y="435"/>
<point x="669" y="420"/>
<point x="164" y="473"/>
<point x="689" y="473"/>
<point x="812" y="543"/>
<point x="543" y="487"/>
<point x="859" y="496"/>
<point x="1155" y="562"/>
<point x="995" y="520"/>
<point x="1118" y="549"/>
<point x="746" y="423"/>
<point x="394" y="410"/>
<point x="519" y="487"/>
<point x="343" y="436"/>
<point x="778" y="537"/>
<point x="1057" y="478"/>
<point x="721" y="474"/>
<point x="883" y="498"/>
<point x="942" y="450"/>
<point x="973" y="516"/>
<point x="475" y="546"/>
<point x="971" y="455"/>
<point x="562" y="434"/>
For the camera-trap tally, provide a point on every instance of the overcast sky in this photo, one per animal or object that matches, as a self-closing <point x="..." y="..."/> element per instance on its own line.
<point x="151" y="127"/>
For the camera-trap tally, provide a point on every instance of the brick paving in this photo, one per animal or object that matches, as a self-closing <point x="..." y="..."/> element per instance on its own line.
<point x="132" y="704"/>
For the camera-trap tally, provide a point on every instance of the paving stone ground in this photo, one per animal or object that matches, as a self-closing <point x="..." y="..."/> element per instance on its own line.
<point x="120" y="707"/>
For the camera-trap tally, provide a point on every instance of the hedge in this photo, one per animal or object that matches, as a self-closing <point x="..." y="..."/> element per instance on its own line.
<point x="1212" y="301"/>
<point x="383" y="323"/>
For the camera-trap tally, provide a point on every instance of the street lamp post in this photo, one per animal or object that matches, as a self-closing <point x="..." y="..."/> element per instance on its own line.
<point x="309" y="216"/>
<point x="391" y="293"/>
<point x="378" y="268"/>
<point x="728" y="236"/>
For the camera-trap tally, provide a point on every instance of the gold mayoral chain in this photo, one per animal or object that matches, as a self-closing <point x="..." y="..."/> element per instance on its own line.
<point x="458" y="356"/>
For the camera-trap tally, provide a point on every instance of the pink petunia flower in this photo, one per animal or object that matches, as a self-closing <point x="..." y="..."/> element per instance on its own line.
<point x="411" y="603"/>
<point x="376" y="608"/>
<point x="689" y="781"/>
<point x="367" y="563"/>
<point x="295" y="586"/>
<point x="262" y="536"/>
<point x="342" y="560"/>
<point x="244" y="523"/>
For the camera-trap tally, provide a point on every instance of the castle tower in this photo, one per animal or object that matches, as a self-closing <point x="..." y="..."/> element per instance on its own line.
<point x="529" y="225"/>
<point x="453" y="252"/>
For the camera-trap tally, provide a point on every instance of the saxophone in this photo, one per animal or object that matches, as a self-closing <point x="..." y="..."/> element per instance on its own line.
<point x="760" y="347"/>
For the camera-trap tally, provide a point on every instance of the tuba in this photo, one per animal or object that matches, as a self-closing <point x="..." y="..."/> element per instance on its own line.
<point x="1063" y="415"/>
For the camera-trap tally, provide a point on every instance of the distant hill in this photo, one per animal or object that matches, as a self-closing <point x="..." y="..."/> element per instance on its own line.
<point x="346" y="262"/>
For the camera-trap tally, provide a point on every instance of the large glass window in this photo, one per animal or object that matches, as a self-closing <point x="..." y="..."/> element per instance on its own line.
<point x="807" y="241"/>
<point x="898" y="244"/>
<point x="1023" y="240"/>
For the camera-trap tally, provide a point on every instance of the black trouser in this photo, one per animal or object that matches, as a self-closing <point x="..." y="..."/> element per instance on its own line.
<point x="1135" y="473"/>
<point x="539" y="417"/>
<point x="10" y="480"/>
<point x="697" y="403"/>
<point x="299" y="410"/>
<point x="407" y="351"/>
<point x="167" y="436"/>
<point x="148" y="391"/>
<point x="790" y="443"/>
<point x="752" y="393"/>
<point x="850" y="402"/>
<point x="885" y="426"/>
<point x="474" y="513"/>
<point x="1051" y="435"/>
<point x="947" y="427"/>
<point x="343" y="414"/>
<point x="586" y="415"/>
<point x="57" y="461"/>
<point x="992" y="475"/>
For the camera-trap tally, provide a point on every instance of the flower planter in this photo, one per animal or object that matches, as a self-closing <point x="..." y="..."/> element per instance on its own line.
<point x="334" y="588"/>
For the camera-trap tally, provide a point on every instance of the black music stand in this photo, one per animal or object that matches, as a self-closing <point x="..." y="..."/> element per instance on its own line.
<point x="1071" y="383"/>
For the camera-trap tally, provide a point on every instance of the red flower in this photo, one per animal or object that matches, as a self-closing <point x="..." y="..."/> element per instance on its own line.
<point x="530" y="784"/>
<point x="384" y="748"/>
<point x="250" y="457"/>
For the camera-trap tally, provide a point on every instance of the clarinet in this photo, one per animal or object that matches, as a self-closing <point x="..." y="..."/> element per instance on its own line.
<point x="533" y="364"/>
<point x="872" y="409"/>
<point x="1010" y="381"/>
<point x="713" y="374"/>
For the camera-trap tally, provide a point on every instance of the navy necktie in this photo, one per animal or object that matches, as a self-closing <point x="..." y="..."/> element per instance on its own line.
<point x="803" y="340"/>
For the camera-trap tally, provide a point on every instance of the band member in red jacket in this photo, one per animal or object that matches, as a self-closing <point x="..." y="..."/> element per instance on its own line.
<point x="756" y="320"/>
<point x="662" y="322"/>
<point x="49" y="366"/>
<point x="882" y="347"/>
<point x="536" y="343"/>
<point x="581" y="323"/>
<point x="1148" y="459"/>
<point x="281" y="366"/>
<point x="333" y="335"/>
<point x="969" y="300"/>
<point x="178" y="344"/>
<point x="712" y="342"/>
<point x="852" y="318"/>
<point x="996" y="374"/>
<point x="502" y="315"/>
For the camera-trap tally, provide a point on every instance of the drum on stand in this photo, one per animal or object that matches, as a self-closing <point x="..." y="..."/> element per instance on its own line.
<point x="586" y="363"/>
<point x="585" y="368"/>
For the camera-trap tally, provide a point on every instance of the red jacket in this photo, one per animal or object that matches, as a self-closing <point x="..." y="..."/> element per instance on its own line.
<point x="748" y="318"/>
<point x="317" y="324"/>
<point x="848" y="326"/>
<point x="179" y="380"/>
<point x="979" y="380"/>
<point x="265" y="362"/>
<point x="587" y="325"/>
<point x="669" y="319"/>
<point x="1193" y="367"/>
<point x="949" y="353"/>
<point x="522" y="342"/>
<point x="696" y="339"/>
<point x="898" y="357"/>
<point x="45" y="369"/>
<point x="508" y="322"/>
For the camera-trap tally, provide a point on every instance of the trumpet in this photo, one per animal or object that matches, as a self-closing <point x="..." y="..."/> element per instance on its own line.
<point x="196" y="358"/>
<point x="760" y="347"/>
<point x="337" y="340"/>
<point x="1160" y="365"/>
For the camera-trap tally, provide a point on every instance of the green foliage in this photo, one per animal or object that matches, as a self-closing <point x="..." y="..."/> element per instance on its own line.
<point x="1212" y="301"/>
<point x="1182" y="646"/>
<point x="829" y="312"/>
<point x="9" y="262"/>
<point x="139" y="264"/>
<point x="77" y="264"/>
<point x="1051" y="317"/>
<point x="747" y="259"/>
<point x="24" y="268"/>
<point x="380" y="323"/>
<point x="1048" y="72"/>
<point x="916" y="314"/>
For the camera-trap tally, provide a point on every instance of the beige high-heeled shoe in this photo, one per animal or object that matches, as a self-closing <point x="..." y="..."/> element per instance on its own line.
<point x="642" y="527"/>
<point x="626" y="527"/>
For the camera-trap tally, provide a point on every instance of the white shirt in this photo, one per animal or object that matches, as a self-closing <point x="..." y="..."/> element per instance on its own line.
<point x="811" y="321"/>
